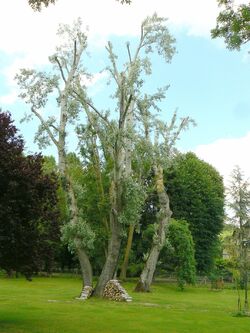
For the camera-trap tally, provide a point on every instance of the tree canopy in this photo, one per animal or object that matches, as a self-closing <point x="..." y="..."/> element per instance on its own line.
<point x="183" y="255"/>
<point x="197" y="195"/>
<point x="117" y="151"/>
<point x="233" y="24"/>
<point x="29" y="218"/>
<point x="37" y="4"/>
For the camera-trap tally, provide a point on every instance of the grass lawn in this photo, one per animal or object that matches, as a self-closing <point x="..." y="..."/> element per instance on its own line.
<point x="47" y="305"/>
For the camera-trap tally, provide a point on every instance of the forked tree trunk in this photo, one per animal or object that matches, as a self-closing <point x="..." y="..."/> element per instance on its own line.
<point x="110" y="265"/>
<point x="124" y="267"/>
<point x="114" y="243"/>
<point x="164" y="216"/>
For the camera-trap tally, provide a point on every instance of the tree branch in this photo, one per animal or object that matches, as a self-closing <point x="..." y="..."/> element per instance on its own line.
<point x="126" y="109"/>
<point x="33" y="110"/>
<point x="82" y="101"/>
<point x="112" y="56"/>
<point x="99" y="113"/>
<point x="129" y="53"/>
<point x="61" y="69"/>
<point x="75" y="53"/>
<point x="54" y="127"/>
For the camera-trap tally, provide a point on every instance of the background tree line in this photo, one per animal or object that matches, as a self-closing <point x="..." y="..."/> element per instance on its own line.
<point x="42" y="214"/>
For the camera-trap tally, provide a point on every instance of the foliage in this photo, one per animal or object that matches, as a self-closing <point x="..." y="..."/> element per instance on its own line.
<point x="134" y="196"/>
<point x="37" y="4"/>
<point x="29" y="217"/>
<point x="239" y="198"/>
<point x="108" y="142"/>
<point x="181" y="240"/>
<point x="221" y="271"/>
<point x="239" y="203"/>
<point x="78" y="236"/>
<point x="233" y="24"/>
<point x="196" y="195"/>
<point x="36" y="87"/>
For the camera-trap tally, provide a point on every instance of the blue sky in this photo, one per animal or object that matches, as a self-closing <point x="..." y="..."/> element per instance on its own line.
<point x="207" y="82"/>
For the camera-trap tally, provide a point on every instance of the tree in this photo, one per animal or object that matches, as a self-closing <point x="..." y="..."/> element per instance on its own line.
<point x="37" y="4"/>
<point x="163" y="149"/>
<point x="239" y="204"/>
<point x="118" y="138"/>
<point x="36" y="87"/>
<point x="197" y="195"/>
<point x="107" y="142"/>
<point x="29" y="218"/>
<point x="181" y="240"/>
<point x="233" y="24"/>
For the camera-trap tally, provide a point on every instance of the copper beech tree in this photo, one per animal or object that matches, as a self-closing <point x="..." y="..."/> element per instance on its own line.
<point x="29" y="214"/>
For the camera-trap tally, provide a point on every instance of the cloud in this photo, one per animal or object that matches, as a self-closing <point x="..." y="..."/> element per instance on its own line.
<point x="9" y="99"/>
<point x="30" y="37"/>
<point x="93" y="79"/>
<point x="34" y="33"/>
<point x="225" y="154"/>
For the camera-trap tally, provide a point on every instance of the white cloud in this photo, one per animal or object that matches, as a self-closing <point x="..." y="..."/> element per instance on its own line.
<point x="9" y="98"/>
<point x="225" y="154"/>
<point x="34" y="33"/>
<point x="30" y="37"/>
<point x="90" y="81"/>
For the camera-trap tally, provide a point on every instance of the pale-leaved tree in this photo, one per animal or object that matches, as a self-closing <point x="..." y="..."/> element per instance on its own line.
<point x="37" y="87"/>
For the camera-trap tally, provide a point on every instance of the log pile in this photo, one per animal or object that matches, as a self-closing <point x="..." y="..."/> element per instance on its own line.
<point x="86" y="293"/>
<point x="115" y="292"/>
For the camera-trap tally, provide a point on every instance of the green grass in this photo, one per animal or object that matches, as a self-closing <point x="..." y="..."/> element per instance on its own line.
<point x="48" y="305"/>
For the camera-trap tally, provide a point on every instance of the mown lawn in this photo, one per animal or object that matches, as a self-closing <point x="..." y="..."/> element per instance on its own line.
<point x="48" y="305"/>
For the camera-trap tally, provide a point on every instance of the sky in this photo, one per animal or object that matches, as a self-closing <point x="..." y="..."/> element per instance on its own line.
<point x="207" y="81"/>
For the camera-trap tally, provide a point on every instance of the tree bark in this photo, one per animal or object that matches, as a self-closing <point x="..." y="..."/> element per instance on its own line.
<point x="85" y="265"/>
<point x="83" y="258"/>
<point x="112" y="257"/>
<point x="85" y="268"/>
<point x="124" y="267"/>
<point x="127" y="174"/>
<point x="114" y="243"/>
<point x="164" y="216"/>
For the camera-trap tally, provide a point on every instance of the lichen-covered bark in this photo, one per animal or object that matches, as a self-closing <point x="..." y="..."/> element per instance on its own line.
<point x="114" y="243"/>
<point x="124" y="267"/>
<point x="83" y="258"/>
<point x="164" y="216"/>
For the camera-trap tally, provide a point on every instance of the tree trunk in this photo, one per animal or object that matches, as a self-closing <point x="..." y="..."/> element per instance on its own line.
<point x="87" y="275"/>
<point x="114" y="243"/>
<point x="82" y="255"/>
<point x="127" y="174"/>
<point x="124" y="267"/>
<point x="112" y="256"/>
<point x="147" y="274"/>
<point x="164" y="216"/>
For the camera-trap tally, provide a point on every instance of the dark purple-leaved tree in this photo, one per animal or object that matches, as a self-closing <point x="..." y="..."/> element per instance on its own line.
<point x="29" y="218"/>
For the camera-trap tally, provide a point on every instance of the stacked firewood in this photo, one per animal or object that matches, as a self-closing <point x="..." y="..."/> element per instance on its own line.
<point x="114" y="291"/>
